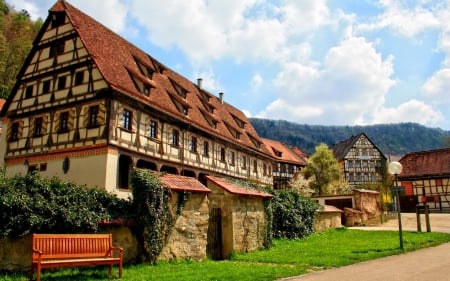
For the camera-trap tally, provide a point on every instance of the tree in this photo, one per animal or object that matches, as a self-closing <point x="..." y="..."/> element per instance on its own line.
<point x="17" y="32"/>
<point x="301" y="185"/>
<point x="323" y="166"/>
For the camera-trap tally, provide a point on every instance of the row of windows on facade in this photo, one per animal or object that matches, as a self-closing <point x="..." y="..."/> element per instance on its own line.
<point x="64" y="121"/>
<point x="283" y="168"/>
<point x="175" y="140"/>
<point x="357" y="177"/>
<point x="364" y="151"/>
<point x="363" y="163"/>
<point x="60" y="85"/>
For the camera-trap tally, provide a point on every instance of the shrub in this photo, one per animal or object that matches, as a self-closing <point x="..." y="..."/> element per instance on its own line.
<point x="31" y="204"/>
<point x="293" y="215"/>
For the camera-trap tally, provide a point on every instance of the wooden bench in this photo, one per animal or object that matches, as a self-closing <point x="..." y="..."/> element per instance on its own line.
<point x="73" y="250"/>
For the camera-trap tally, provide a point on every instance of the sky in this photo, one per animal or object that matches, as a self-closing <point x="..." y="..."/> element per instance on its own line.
<point x="317" y="62"/>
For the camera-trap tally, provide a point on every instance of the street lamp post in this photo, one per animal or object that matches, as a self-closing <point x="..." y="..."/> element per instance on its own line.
<point x="395" y="168"/>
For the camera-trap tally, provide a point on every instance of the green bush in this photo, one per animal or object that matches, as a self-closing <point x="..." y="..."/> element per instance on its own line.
<point x="293" y="215"/>
<point x="31" y="204"/>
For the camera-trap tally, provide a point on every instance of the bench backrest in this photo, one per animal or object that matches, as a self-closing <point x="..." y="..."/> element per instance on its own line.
<point x="60" y="246"/>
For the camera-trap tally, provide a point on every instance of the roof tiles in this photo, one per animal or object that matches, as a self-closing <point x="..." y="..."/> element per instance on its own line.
<point x="118" y="59"/>
<point x="236" y="189"/>
<point x="426" y="163"/>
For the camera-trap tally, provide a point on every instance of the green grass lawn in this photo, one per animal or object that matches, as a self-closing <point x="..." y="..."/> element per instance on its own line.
<point x="333" y="248"/>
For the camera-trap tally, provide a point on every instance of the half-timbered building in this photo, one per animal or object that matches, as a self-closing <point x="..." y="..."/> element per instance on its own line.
<point x="288" y="162"/>
<point x="88" y="106"/>
<point x="359" y="159"/>
<point x="426" y="179"/>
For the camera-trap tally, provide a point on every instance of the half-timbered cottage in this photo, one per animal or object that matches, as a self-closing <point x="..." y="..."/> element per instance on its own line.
<point x="88" y="106"/>
<point x="288" y="162"/>
<point x="426" y="178"/>
<point x="359" y="159"/>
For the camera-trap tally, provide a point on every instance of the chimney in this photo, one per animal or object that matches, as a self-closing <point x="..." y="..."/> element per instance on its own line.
<point x="221" y="97"/>
<point x="199" y="82"/>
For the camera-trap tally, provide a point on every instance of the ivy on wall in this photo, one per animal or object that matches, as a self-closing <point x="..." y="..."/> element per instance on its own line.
<point x="154" y="218"/>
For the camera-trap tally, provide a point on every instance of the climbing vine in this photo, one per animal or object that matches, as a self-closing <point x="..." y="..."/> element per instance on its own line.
<point x="154" y="218"/>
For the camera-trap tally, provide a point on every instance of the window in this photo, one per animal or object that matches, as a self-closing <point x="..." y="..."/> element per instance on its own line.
<point x="222" y="154"/>
<point x="93" y="116"/>
<point x="62" y="82"/>
<point x="255" y="166"/>
<point x="79" y="78"/>
<point x="175" y="137"/>
<point x="244" y="162"/>
<point x="193" y="144"/>
<point x="126" y="115"/>
<point x="58" y="20"/>
<point x="14" y="132"/>
<point x="43" y="167"/>
<point x="264" y="169"/>
<point x="153" y="129"/>
<point x="185" y="111"/>
<point x="57" y="49"/>
<point x="64" y="122"/>
<point x="231" y="157"/>
<point x="206" y="149"/>
<point x="28" y="92"/>
<point x="46" y="87"/>
<point x="37" y="127"/>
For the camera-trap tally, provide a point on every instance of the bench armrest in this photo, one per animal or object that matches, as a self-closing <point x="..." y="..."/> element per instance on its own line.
<point x="35" y="251"/>
<point x="119" y="249"/>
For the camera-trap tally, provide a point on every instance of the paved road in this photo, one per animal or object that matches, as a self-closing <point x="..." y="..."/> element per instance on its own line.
<point x="426" y="264"/>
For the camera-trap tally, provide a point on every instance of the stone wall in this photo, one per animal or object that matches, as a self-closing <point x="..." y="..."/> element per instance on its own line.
<point x="187" y="240"/>
<point x="189" y="236"/>
<point x="368" y="202"/>
<point x="249" y="223"/>
<point x="329" y="217"/>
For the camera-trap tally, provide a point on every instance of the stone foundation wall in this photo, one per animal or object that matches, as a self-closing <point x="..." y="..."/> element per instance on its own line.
<point x="249" y="224"/>
<point x="187" y="240"/>
<point x="189" y="236"/>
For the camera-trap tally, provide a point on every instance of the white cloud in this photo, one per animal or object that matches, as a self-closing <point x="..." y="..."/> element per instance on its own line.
<point x="403" y="19"/>
<point x="348" y="88"/>
<point x="256" y="82"/>
<point x="437" y="86"/>
<point x="111" y="13"/>
<point x="410" y="111"/>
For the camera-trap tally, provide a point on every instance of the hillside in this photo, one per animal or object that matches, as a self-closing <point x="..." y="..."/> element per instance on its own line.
<point x="391" y="139"/>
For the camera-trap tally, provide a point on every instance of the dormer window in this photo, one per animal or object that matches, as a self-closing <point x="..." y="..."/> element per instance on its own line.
<point x="58" y="19"/>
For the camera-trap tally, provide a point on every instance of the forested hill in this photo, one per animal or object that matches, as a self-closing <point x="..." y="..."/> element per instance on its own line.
<point x="391" y="139"/>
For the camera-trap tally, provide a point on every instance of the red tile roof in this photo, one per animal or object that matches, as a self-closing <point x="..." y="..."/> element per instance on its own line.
<point x="430" y="163"/>
<point x="118" y="60"/>
<point x="182" y="183"/>
<point x="287" y="153"/>
<point x="236" y="189"/>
